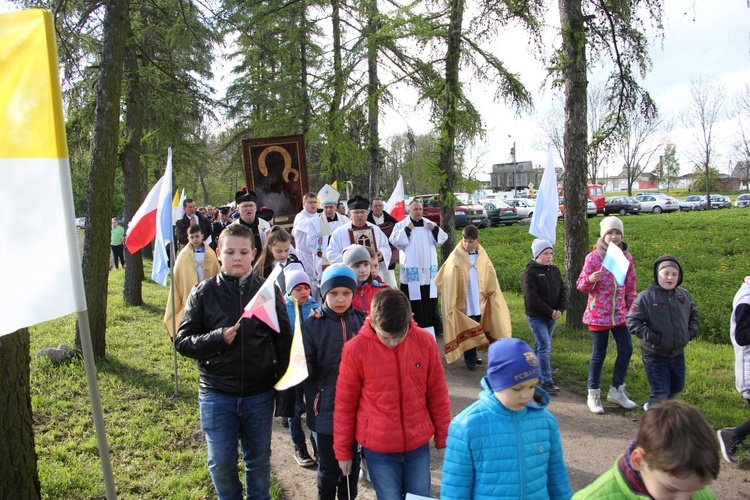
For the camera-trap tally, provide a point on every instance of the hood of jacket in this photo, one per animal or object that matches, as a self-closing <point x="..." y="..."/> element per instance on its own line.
<point x="665" y="258"/>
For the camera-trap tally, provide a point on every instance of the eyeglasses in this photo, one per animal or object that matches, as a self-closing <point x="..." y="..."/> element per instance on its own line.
<point x="245" y="206"/>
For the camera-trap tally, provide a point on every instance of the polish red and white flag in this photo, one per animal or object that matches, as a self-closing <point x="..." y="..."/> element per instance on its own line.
<point x="396" y="206"/>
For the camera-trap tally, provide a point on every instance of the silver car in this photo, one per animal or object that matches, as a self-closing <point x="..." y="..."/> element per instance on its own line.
<point x="658" y="203"/>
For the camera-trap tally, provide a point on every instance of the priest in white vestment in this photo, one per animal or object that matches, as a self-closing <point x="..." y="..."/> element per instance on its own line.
<point x="360" y="232"/>
<point x="319" y="231"/>
<point x="417" y="240"/>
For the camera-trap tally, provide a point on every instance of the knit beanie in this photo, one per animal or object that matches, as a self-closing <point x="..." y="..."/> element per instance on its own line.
<point x="294" y="277"/>
<point x="512" y="362"/>
<point x="354" y="254"/>
<point x="539" y="245"/>
<point x="667" y="261"/>
<point x="610" y="224"/>
<point x="338" y="275"/>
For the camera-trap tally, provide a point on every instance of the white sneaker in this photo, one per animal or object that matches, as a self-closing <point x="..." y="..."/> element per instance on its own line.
<point x="618" y="396"/>
<point x="595" y="401"/>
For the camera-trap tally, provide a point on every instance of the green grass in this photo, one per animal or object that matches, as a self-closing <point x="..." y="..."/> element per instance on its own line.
<point x="158" y="449"/>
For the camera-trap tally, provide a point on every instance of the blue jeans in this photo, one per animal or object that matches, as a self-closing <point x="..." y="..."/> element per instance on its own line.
<point x="226" y="420"/>
<point x="543" y="329"/>
<point x="665" y="375"/>
<point x="295" y="422"/>
<point x="394" y="475"/>
<point x="599" y="352"/>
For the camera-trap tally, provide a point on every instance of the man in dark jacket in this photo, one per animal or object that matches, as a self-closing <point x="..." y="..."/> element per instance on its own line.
<point x="239" y="360"/>
<point x="664" y="317"/>
<point x="191" y="218"/>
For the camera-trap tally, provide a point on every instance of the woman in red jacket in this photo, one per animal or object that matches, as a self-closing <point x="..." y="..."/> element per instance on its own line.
<point x="391" y="396"/>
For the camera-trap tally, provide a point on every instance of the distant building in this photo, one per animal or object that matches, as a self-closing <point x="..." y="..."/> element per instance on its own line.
<point x="741" y="172"/>
<point x="517" y="176"/>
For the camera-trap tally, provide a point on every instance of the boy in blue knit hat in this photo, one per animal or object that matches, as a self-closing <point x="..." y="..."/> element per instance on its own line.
<point x="324" y="335"/>
<point x="506" y="444"/>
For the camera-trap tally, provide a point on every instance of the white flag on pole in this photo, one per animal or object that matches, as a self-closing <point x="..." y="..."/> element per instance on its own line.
<point x="544" y="219"/>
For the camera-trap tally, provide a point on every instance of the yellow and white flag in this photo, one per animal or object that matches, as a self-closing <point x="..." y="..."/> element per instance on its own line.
<point x="297" y="372"/>
<point x="42" y="271"/>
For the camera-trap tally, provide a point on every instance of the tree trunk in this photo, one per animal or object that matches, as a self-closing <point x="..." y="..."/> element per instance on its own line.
<point x="102" y="175"/>
<point x="334" y="120"/>
<point x="18" y="463"/>
<point x="305" y="30"/>
<point x="575" y="145"/>
<point x="448" y="123"/>
<point x="373" y="96"/>
<point x="131" y="170"/>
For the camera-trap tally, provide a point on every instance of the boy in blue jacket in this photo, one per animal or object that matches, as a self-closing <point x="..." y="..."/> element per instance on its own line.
<point x="506" y="445"/>
<point x="298" y="287"/>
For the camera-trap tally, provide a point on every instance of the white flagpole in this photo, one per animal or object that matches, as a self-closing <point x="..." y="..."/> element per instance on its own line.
<point x="174" y="323"/>
<point x="84" y="329"/>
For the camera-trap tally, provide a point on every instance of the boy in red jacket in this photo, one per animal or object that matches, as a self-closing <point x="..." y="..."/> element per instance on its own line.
<point x="392" y="398"/>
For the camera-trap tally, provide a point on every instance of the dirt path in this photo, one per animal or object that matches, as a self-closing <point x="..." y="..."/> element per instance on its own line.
<point x="591" y="444"/>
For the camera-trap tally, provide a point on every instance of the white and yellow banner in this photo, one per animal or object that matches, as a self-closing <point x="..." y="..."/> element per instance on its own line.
<point x="297" y="372"/>
<point x="39" y="247"/>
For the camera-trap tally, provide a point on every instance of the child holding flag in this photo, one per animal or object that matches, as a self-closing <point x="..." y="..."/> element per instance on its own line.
<point x="239" y="359"/>
<point x="607" y="307"/>
<point x="298" y="288"/>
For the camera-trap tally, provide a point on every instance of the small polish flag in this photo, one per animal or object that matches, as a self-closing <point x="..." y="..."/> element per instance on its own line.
<point x="263" y="304"/>
<point x="396" y="206"/>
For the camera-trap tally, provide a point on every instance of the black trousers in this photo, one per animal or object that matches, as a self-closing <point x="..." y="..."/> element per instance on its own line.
<point x="423" y="309"/>
<point x="118" y="252"/>
<point x="470" y="356"/>
<point x="330" y="478"/>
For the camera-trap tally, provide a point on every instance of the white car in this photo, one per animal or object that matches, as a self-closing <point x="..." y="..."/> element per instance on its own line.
<point x="524" y="207"/>
<point x="590" y="208"/>
<point x="743" y="201"/>
<point x="658" y="203"/>
<point x="80" y="222"/>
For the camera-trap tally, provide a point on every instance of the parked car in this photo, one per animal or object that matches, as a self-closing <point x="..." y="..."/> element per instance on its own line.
<point x="465" y="214"/>
<point x="684" y="206"/>
<point x="641" y="194"/>
<point x="499" y="212"/>
<point x="698" y="201"/>
<point x="719" y="201"/>
<point x="621" y="205"/>
<point x="591" y="210"/>
<point x="657" y="203"/>
<point x="525" y="207"/>
<point x="80" y="222"/>
<point x="743" y="201"/>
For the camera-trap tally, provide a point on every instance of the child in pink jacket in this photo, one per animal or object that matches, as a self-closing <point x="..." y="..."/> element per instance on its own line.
<point x="606" y="310"/>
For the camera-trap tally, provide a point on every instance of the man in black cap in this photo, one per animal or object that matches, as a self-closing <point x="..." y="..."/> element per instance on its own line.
<point x="222" y="221"/>
<point x="247" y="204"/>
<point x="191" y="218"/>
<point x="359" y="232"/>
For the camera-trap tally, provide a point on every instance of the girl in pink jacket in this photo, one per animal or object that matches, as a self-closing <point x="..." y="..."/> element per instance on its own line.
<point x="606" y="309"/>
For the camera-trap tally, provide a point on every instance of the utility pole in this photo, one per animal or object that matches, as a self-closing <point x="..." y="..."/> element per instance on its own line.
<point x="513" y="155"/>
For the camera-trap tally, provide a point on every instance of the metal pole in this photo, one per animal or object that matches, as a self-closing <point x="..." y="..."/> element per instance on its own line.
<point x="515" y="168"/>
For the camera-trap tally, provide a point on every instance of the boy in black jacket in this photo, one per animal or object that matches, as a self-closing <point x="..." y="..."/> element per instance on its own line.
<point x="239" y="360"/>
<point x="324" y="334"/>
<point x="664" y="317"/>
<point x="545" y="299"/>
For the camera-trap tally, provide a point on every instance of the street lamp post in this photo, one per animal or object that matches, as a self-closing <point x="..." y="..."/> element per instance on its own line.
<point x="513" y="155"/>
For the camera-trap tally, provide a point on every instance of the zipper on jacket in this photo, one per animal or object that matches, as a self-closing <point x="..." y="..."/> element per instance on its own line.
<point x="521" y="461"/>
<point x="343" y="331"/>
<point x="614" y="304"/>
<point x="400" y="398"/>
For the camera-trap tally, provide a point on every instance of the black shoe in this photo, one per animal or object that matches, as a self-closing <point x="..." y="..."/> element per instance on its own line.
<point x="302" y="457"/>
<point x="728" y="444"/>
<point x="480" y="361"/>
<point x="285" y="422"/>
<point x="551" y="388"/>
<point x="471" y="365"/>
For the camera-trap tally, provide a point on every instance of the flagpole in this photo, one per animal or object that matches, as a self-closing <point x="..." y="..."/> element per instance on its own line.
<point x="174" y="322"/>
<point x="84" y="329"/>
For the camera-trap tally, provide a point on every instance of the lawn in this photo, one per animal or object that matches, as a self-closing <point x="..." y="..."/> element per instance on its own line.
<point x="157" y="446"/>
